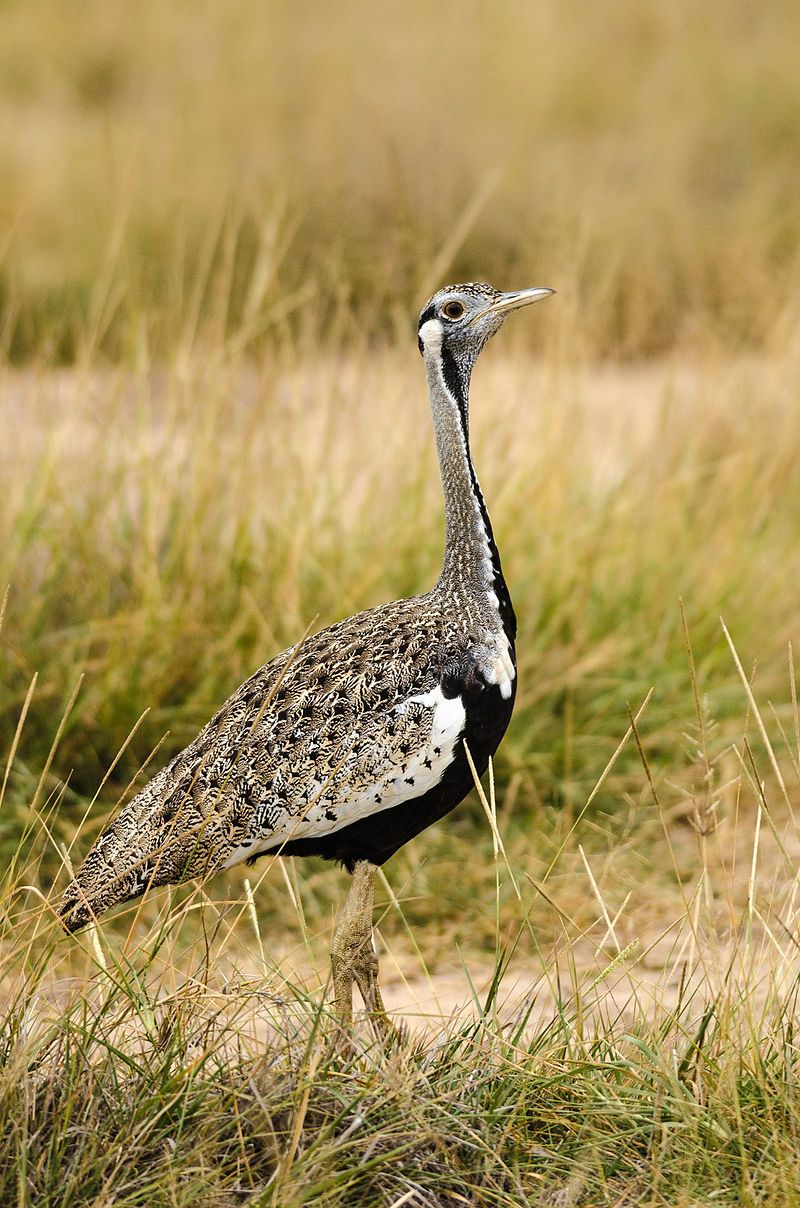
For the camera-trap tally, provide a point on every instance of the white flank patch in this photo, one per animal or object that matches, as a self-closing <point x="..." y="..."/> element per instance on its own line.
<point x="423" y="770"/>
<point x="431" y="334"/>
<point x="503" y="674"/>
<point x="498" y="667"/>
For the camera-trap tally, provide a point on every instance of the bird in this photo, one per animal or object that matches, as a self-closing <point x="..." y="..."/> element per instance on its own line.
<point x="354" y="740"/>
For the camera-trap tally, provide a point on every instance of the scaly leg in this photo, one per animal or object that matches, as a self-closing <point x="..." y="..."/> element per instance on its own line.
<point x="353" y="957"/>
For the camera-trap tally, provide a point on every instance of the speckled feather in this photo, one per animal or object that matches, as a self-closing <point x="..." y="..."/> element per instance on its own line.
<point x="333" y="731"/>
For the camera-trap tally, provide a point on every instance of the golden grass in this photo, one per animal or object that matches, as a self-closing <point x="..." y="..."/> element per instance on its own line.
<point x="222" y="168"/>
<point x="224" y="220"/>
<point x="165" y="534"/>
<point x="634" y="1040"/>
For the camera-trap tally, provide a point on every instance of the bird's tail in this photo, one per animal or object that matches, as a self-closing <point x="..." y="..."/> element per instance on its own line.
<point x="157" y="839"/>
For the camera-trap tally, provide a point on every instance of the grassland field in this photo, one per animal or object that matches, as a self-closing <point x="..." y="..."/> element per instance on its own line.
<point x="218" y="224"/>
<point x="616" y="885"/>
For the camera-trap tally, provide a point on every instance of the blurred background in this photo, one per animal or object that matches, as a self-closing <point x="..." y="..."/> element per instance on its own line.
<point x="217" y="225"/>
<point x="239" y="164"/>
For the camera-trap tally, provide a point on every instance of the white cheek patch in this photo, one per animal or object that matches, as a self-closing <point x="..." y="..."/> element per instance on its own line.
<point x="431" y="334"/>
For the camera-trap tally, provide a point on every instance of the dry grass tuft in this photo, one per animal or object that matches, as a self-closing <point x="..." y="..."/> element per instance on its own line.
<point x="217" y="225"/>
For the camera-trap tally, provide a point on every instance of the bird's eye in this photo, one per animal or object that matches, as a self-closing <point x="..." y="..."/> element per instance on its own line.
<point x="452" y="310"/>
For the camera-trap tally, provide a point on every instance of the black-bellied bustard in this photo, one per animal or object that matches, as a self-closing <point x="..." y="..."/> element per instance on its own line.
<point x="351" y="743"/>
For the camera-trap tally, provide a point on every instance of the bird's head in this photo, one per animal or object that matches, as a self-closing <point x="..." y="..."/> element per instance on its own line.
<point x="458" y="320"/>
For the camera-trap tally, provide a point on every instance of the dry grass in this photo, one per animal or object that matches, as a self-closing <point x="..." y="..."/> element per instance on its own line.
<point x="216" y="169"/>
<point x="218" y="223"/>
<point x="649" y="1058"/>
<point x="228" y="507"/>
<point x="601" y="1007"/>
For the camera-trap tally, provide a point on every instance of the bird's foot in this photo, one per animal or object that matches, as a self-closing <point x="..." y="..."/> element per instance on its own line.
<point x="349" y="1042"/>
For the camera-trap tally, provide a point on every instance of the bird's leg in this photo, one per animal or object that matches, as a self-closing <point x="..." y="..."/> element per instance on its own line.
<point x="366" y="974"/>
<point x="353" y="957"/>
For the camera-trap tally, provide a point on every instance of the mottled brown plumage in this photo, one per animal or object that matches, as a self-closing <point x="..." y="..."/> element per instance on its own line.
<point x="283" y="757"/>
<point x="352" y="742"/>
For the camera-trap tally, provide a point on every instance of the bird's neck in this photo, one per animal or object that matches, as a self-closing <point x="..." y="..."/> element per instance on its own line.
<point x="471" y="564"/>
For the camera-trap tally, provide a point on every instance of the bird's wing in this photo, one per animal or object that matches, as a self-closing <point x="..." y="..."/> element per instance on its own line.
<point x="345" y="769"/>
<point x="360" y="718"/>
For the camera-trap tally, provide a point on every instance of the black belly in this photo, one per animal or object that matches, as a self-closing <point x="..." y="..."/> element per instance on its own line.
<point x="380" y="835"/>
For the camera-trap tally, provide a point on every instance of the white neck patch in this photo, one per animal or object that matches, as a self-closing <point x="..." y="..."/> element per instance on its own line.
<point x="431" y="333"/>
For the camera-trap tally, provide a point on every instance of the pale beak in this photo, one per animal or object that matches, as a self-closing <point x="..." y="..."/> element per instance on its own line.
<point x="512" y="301"/>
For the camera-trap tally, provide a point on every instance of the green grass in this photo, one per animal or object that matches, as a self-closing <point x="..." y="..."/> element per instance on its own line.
<point x="650" y="1057"/>
<point x="217" y="227"/>
<point x="636" y="915"/>
<point x="227" y="508"/>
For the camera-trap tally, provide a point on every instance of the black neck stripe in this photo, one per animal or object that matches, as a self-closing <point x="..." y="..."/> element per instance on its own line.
<point x="454" y="382"/>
